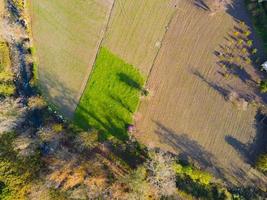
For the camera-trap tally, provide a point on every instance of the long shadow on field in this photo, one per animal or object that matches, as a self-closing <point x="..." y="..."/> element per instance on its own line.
<point x="221" y="90"/>
<point x="201" y="4"/>
<point x="105" y="126"/>
<point x="250" y="151"/>
<point x="129" y="81"/>
<point x="189" y="149"/>
<point x="62" y="96"/>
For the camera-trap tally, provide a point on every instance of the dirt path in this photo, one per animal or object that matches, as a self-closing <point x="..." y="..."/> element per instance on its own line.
<point x="187" y="111"/>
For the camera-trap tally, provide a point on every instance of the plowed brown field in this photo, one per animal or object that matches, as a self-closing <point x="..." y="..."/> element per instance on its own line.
<point x="187" y="111"/>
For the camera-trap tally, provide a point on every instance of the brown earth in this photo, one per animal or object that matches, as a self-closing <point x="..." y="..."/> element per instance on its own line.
<point x="187" y="111"/>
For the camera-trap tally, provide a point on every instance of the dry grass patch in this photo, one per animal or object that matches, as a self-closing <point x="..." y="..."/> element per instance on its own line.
<point x="136" y="30"/>
<point x="66" y="36"/>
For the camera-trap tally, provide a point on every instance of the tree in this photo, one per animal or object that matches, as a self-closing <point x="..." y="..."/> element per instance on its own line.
<point x="261" y="163"/>
<point x="137" y="185"/>
<point x="218" y="5"/>
<point x="263" y="86"/>
<point x="161" y="174"/>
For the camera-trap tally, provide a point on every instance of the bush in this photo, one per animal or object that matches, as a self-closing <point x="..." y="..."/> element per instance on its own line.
<point x="7" y="90"/>
<point x="37" y="102"/>
<point x="263" y="86"/>
<point x="161" y="174"/>
<point x="261" y="163"/>
<point x="6" y="76"/>
<point x="137" y="185"/>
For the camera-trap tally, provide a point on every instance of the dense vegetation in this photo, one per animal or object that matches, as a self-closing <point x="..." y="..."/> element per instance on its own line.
<point x="111" y="96"/>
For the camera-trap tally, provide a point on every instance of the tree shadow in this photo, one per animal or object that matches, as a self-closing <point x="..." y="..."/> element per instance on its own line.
<point x="129" y="81"/>
<point x="251" y="150"/>
<point x="237" y="70"/>
<point x="105" y="126"/>
<point x="123" y="104"/>
<point x="201" y="5"/>
<point x="221" y="90"/>
<point x="189" y="149"/>
<point x="63" y="99"/>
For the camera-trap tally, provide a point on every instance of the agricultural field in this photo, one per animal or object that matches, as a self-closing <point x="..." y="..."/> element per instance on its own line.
<point x="136" y="30"/>
<point x="187" y="110"/>
<point x="66" y="44"/>
<point x="111" y="96"/>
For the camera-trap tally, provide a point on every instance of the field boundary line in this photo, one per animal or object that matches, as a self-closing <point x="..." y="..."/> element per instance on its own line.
<point x="89" y="74"/>
<point x="161" y="42"/>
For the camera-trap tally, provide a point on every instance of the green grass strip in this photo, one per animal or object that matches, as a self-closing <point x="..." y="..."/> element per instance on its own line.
<point x="111" y="97"/>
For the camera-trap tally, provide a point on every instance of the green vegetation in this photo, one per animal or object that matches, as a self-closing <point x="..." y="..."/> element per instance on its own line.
<point x="111" y="96"/>
<point x="16" y="173"/>
<point x="263" y="86"/>
<point x="261" y="163"/>
<point x="259" y="17"/>
<point x="66" y="43"/>
<point x="7" y="87"/>
<point x="198" y="183"/>
<point x="4" y="56"/>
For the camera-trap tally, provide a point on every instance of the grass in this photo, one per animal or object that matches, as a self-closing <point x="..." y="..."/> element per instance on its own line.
<point x="111" y="96"/>
<point x="7" y="87"/>
<point x="4" y="56"/>
<point x="66" y="37"/>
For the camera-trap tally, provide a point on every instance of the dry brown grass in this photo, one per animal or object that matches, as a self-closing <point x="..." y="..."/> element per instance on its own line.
<point x="187" y="111"/>
<point x="136" y="30"/>
<point x="67" y="36"/>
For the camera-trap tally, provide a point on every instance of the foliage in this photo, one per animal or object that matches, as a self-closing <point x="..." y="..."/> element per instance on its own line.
<point x="7" y="90"/>
<point x="6" y="76"/>
<point x="111" y="96"/>
<point x="198" y="183"/>
<point x="36" y="102"/>
<point x="137" y="185"/>
<point x="57" y="128"/>
<point x="4" y="56"/>
<point x="196" y="175"/>
<point x="259" y="19"/>
<point x="7" y="87"/>
<point x="161" y="174"/>
<point x="261" y="163"/>
<point x="16" y="173"/>
<point x="263" y="86"/>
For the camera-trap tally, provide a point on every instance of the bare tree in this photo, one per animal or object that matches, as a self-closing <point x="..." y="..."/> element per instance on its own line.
<point x="218" y="5"/>
<point x="161" y="174"/>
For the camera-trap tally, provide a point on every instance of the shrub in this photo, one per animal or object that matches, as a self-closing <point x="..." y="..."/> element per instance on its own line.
<point x="263" y="86"/>
<point x="161" y="174"/>
<point x="261" y="163"/>
<point x="137" y="185"/>
<point x="57" y="128"/>
<point x="36" y="102"/>
<point x="7" y="89"/>
<point x="6" y="76"/>
<point x="196" y="175"/>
